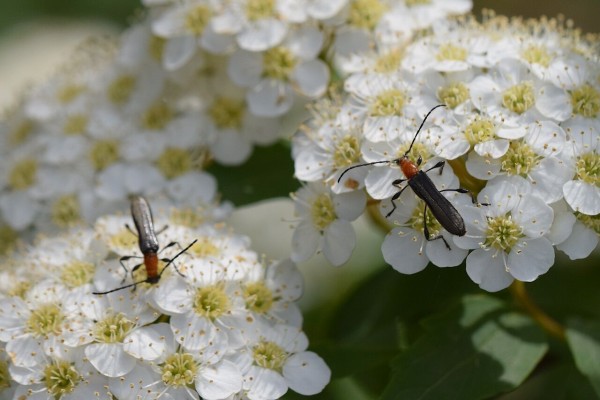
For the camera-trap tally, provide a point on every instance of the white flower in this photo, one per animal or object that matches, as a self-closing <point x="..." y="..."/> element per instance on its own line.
<point x="583" y="238"/>
<point x="536" y="157"/>
<point x="583" y="191"/>
<point x="325" y="223"/>
<point x="35" y="326"/>
<point x="205" y="306"/>
<point x="449" y="50"/>
<point x="171" y="376"/>
<point x="270" y="292"/>
<point x="278" y="360"/>
<point x="327" y="150"/>
<point x="66" y="376"/>
<point x="387" y="105"/>
<point x="274" y="75"/>
<point x="511" y="92"/>
<point x="186" y="26"/>
<point x="406" y="248"/>
<point x="508" y="236"/>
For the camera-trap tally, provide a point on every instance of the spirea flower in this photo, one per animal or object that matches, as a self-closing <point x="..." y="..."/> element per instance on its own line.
<point x="62" y="337"/>
<point x="520" y="130"/>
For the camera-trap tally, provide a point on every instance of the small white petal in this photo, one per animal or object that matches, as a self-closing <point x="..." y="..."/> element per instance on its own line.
<point x="529" y="259"/>
<point x="350" y="206"/>
<point x="339" y="241"/>
<point x="561" y="227"/>
<point x="270" y="98"/>
<point x="582" y="197"/>
<point x="581" y="243"/>
<point x="486" y="268"/>
<point x="109" y="359"/>
<point x="264" y="384"/>
<point x="492" y="148"/>
<point x="219" y="381"/>
<point x="146" y="343"/>
<point x="178" y="52"/>
<point x="305" y="241"/>
<point x="306" y="373"/>
<point x="262" y="35"/>
<point x="553" y="102"/>
<point x="440" y="255"/>
<point x="402" y="248"/>
<point x="311" y="77"/>
<point x="534" y="216"/>
<point x="231" y="148"/>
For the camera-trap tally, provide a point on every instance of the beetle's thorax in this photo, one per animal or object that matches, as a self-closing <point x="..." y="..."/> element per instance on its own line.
<point x="409" y="168"/>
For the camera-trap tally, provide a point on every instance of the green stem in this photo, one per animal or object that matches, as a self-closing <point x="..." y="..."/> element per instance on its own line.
<point x="549" y="324"/>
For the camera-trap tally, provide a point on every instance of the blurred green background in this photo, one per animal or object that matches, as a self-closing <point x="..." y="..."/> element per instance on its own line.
<point x="585" y="13"/>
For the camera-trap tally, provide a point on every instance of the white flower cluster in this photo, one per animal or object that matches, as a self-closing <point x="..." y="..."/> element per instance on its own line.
<point x="520" y="128"/>
<point x="219" y="324"/>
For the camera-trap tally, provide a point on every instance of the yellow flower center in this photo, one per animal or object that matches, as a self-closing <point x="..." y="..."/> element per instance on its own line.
<point x="590" y="221"/>
<point x="451" y="52"/>
<point x="60" y="378"/>
<point x="502" y="233"/>
<point x="77" y="273"/>
<point x="347" y="152"/>
<point x="417" y="220"/>
<point x="68" y="93"/>
<point x="388" y="103"/>
<point x="120" y="89"/>
<point x="112" y="329"/>
<point x="588" y="168"/>
<point x="389" y="62"/>
<point x="479" y="131"/>
<point x="260" y="9"/>
<point x="227" y="113"/>
<point x="259" y="297"/>
<point x="454" y="94"/>
<point x="197" y="18"/>
<point x="365" y="14"/>
<point x="586" y="101"/>
<point x="269" y="355"/>
<point x="278" y="63"/>
<point x="8" y="239"/>
<point x="519" y="98"/>
<point x="4" y="376"/>
<point x="76" y="124"/>
<point x="156" y="47"/>
<point x="519" y="159"/>
<point x="174" y="162"/>
<point x="104" y="153"/>
<point x="65" y="211"/>
<point x="211" y="302"/>
<point x="323" y="211"/>
<point x="537" y="55"/>
<point x="45" y="320"/>
<point x="412" y="3"/>
<point x="179" y="370"/>
<point x="23" y="174"/>
<point x="157" y="117"/>
<point x="21" y="132"/>
<point x="204" y="247"/>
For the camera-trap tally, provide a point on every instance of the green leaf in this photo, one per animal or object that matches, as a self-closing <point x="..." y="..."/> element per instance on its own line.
<point x="348" y="359"/>
<point x="267" y="174"/>
<point x="476" y="350"/>
<point x="558" y="382"/>
<point x="584" y="340"/>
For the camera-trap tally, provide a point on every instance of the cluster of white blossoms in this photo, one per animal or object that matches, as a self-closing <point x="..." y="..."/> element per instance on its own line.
<point x="221" y="323"/>
<point x="193" y="82"/>
<point x="520" y="129"/>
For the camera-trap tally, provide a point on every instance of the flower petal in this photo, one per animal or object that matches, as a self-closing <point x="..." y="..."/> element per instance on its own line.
<point x="306" y="373"/>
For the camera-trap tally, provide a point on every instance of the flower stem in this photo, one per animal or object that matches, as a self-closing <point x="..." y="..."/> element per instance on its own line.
<point x="376" y="217"/>
<point x="544" y="320"/>
<point x="466" y="180"/>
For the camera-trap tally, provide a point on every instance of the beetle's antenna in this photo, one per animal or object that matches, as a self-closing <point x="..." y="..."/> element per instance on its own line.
<point x="419" y="130"/>
<point x="364" y="165"/>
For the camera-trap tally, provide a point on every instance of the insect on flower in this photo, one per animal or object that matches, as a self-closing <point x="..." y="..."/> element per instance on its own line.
<point x="424" y="188"/>
<point x="148" y="244"/>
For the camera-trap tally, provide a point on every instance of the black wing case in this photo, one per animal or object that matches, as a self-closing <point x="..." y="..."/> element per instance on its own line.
<point x="142" y="218"/>
<point x="440" y="206"/>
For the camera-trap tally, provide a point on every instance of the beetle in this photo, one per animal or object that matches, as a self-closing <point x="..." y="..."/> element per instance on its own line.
<point x="441" y="208"/>
<point x="148" y="244"/>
